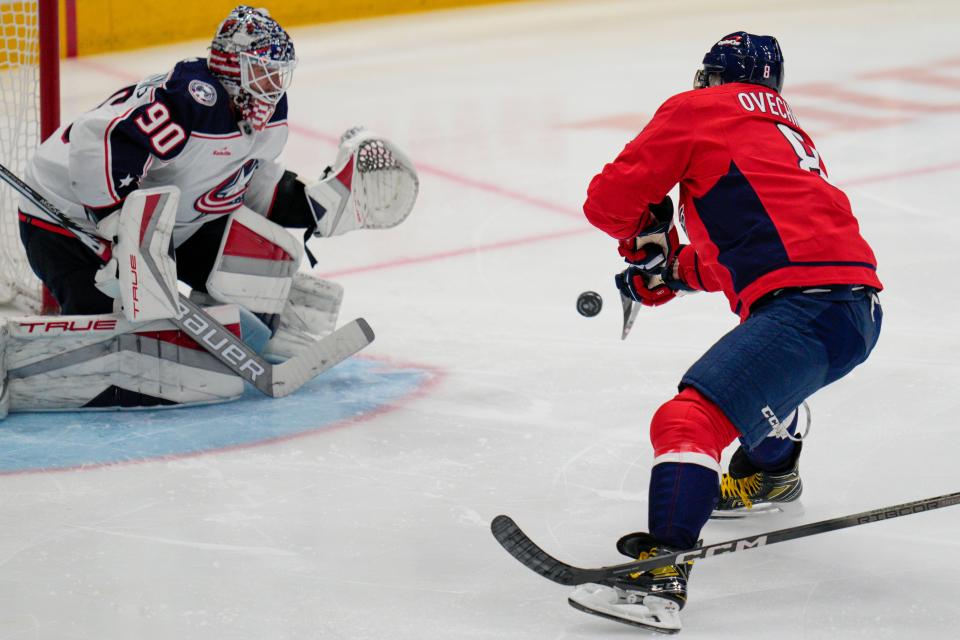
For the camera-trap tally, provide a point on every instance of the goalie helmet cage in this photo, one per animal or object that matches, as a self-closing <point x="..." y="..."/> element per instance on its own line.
<point x="29" y="113"/>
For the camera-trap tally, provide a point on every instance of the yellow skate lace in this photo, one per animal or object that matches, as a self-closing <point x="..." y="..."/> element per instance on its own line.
<point x="660" y="572"/>
<point x="741" y="488"/>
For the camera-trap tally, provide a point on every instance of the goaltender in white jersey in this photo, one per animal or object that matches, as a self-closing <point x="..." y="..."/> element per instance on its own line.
<point x="203" y="140"/>
<point x="176" y="129"/>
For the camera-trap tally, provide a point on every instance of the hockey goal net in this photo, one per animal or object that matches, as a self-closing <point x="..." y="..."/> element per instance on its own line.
<point x="29" y="111"/>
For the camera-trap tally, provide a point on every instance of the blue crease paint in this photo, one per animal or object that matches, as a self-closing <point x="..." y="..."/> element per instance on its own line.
<point x="62" y="440"/>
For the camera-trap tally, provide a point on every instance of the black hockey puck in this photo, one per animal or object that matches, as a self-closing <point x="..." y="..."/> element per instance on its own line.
<point x="589" y="304"/>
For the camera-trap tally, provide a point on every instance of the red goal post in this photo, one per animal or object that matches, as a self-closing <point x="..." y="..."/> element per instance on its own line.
<point x="29" y="113"/>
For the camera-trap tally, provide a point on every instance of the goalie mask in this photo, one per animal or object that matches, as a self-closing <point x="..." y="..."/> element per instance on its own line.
<point x="253" y="57"/>
<point x="742" y="57"/>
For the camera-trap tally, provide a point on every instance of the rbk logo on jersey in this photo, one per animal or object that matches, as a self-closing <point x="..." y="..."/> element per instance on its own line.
<point x="227" y="196"/>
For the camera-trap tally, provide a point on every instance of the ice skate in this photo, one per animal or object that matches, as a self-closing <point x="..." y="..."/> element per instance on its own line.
<point x="650" y="599"/>
<point x="746" y="490"/>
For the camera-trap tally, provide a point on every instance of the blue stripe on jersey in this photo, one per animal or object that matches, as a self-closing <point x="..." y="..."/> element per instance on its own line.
<point x="747" y="240"/>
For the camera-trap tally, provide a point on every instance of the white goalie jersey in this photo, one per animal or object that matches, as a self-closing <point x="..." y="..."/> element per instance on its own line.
<point x="176" y="129"/>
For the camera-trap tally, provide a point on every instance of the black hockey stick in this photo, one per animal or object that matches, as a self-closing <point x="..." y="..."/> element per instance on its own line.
<point x="273" y="380"/>
<point x="521" y="547"/>
<point x="630" y="311"/>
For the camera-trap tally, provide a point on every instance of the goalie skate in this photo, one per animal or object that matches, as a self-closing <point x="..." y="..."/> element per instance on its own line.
<point x="628" y="607"/>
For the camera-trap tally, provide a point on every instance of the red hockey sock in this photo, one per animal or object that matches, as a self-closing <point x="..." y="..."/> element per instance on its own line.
<point x="688" y="434"/>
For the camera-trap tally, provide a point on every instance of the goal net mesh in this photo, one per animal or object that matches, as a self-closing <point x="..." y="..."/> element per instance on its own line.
<point x="19" y="137"/>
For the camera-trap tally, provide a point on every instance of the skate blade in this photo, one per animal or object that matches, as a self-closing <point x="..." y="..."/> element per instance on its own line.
<point x="662" y="616"/>
<point x="760" y="510"/>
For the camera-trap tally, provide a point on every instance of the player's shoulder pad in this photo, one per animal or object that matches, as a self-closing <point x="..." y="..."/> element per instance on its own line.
<point x="200" y="101"/>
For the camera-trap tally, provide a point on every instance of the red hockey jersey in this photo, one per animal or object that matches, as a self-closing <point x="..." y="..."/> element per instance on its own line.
<point x="755" y="201"/>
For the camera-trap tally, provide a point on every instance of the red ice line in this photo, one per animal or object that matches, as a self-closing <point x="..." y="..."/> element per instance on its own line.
<point x="919" y="74"/>
<point x="436" y="374"/>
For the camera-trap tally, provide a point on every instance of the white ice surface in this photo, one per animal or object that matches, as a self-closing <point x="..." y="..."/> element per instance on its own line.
<point x="380" y="530"/>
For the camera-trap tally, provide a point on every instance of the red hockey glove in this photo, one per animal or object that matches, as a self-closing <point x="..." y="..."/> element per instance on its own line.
<point x="674" y="275"/>
<point x="659" y="237"/>
<point x="652" y="280"/>
<point x="649" y="290"/>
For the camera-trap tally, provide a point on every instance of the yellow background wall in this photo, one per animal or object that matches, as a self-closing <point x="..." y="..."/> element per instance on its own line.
<point x="109" y="25"/>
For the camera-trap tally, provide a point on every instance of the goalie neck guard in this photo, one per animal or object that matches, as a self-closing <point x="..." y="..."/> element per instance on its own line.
<point x="742" y="57"/>
<point x="253" y="57"/>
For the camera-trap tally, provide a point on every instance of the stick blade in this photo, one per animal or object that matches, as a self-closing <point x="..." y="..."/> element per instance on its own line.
<point x="324" y="354"/>
<point x="630" y="310"/>
<point x="512" y="538"/>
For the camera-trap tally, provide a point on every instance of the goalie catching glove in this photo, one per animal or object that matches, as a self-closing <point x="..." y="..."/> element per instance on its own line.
<point x="371" y="185"/>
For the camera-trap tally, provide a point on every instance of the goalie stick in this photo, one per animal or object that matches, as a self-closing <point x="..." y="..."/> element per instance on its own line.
<point x="521" y="547"/>
<point x="273" y="380"/>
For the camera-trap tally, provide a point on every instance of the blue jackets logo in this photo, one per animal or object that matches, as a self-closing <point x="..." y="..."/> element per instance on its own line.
<point x="203" y="92"/>
<point x="227" y="196"/>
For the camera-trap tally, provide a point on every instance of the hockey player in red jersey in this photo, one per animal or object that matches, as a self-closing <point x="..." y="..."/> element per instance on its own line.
<point x="768" y="229"/>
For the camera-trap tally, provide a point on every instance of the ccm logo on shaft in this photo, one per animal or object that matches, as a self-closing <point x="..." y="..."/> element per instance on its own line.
<point x="218" y="342"/>
<point x="716" y="550"/>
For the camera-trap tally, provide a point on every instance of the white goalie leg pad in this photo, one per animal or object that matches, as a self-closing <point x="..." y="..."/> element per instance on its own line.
<point x="372" y="185"/>
<point x="56" y="363"/>
<point x="310" y="314"/>
<point x="146" y="269"/>
<point x="255" y="264"/>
